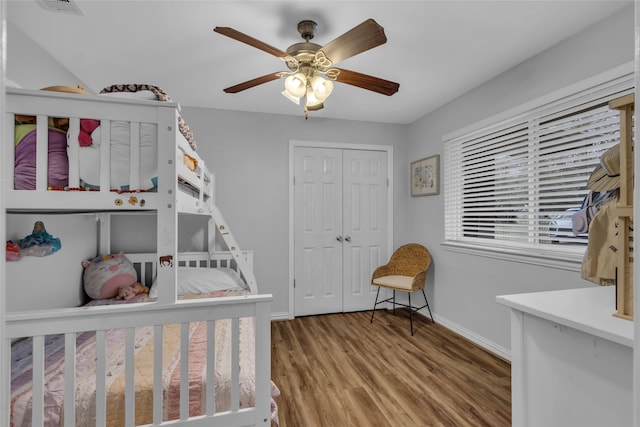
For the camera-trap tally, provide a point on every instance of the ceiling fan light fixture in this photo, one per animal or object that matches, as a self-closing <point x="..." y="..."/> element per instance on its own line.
<point x="294" y="99"/>
<point x="315" y="107"/>
<point x="322" y="88"/>
<point x="296" y="85"/>
<point x="312" y="99"/>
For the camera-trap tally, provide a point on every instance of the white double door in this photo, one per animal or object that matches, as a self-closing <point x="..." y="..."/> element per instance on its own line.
<point x="341" y="230"/>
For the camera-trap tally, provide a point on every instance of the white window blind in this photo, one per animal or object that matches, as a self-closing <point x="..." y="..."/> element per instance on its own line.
<point x="514" y="184"/>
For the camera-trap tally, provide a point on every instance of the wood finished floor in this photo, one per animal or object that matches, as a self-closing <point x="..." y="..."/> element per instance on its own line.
<point x="339" y="370"/>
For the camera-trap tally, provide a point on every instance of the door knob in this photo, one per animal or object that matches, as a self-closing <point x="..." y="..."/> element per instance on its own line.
<point x="347" y="238"/>
<point x="339" y="238"/>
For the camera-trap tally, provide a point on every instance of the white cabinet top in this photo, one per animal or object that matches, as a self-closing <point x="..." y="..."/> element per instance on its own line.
<point x="586" y="309"/>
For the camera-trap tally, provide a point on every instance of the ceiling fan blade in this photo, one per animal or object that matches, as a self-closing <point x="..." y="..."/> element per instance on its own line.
<point x="357" y="40"/>
<point x="365" y="81"/>
<point x="241" y="37"/>
<point x="254" y="82"/>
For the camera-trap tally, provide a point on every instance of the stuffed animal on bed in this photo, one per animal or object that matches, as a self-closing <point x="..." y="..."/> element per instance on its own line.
<point x="131" y="291"/>
<point x="104" y="275"/>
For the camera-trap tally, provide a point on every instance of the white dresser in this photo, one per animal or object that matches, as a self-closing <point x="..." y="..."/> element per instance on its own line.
<point x="571" y="359"/>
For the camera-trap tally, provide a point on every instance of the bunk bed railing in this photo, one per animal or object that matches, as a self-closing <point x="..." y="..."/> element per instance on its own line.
<point x="45" y="105"/>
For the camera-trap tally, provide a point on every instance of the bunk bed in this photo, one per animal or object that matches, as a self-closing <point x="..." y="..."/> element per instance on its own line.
<point x="200" y="357"/>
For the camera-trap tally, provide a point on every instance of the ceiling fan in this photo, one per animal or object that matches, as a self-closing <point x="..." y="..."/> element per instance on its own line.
<point x="312" y="68"/>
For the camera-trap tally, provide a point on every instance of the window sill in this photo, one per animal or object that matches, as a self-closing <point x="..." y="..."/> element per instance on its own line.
<point x="564" y="260"/>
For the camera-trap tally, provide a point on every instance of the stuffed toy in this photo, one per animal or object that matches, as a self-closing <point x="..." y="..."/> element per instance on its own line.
<point x="131" y="291"/>
<point x="104" y="275"/>
<point x="12" y="251"/>
<point x="39" y="242"/>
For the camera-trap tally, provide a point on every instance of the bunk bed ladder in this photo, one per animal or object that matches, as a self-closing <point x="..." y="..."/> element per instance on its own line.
<point x="220" y="224"/>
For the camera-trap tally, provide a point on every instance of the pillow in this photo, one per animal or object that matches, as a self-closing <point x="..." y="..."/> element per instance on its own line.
<point x="120" y="157"/>
<point x="141" y="94"/>
<point x="104" y="275"/>
<point x="202" y="280"/>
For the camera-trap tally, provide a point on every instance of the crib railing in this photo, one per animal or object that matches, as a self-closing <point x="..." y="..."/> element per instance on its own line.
<point x="71" y="322"/>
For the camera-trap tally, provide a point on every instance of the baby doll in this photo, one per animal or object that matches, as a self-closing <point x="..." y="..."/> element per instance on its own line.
<point x="128" y="292"/>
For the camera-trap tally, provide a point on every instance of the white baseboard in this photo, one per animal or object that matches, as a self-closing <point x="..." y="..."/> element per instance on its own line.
<point x="280" y="316"/>
<point x="490" y="346"/>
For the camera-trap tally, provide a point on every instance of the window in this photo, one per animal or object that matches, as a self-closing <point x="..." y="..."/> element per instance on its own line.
<point x="513" y="183"/>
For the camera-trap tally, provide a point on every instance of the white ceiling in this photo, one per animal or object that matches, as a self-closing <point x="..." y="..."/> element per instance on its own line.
<point x="436" y="50"/>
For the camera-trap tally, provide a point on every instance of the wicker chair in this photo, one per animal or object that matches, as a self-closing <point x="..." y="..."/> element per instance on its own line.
<point x="406" y="271"/>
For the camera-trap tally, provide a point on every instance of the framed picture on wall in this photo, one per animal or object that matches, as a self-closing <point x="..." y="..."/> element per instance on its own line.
<point x="425" y="176"/>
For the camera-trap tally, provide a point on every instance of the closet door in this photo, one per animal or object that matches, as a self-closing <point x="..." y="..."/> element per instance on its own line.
<point x="340" y="233"/>
<point x="318" y="231"/>
<point x="365" y="211"/>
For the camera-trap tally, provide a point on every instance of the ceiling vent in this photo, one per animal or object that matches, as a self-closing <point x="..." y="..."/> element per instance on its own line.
<point x="64" y="6"/>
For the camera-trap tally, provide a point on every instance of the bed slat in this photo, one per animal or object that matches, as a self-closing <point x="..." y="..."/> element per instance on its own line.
<point x="130" y="392"/>
<point x="69" y="376"/>
<point x="235" y="364"/>
<point x="42" y="152"/>
<point x="158" y="331"/>
<point x="211" y="368"/>
<point x="263" y="363"/>
<point x="101" y="383"/>
<point x="73" y="152"/>
<point x="105" y="155"/>
<point x="134" y="156"/>
<point x="8" y="151"/>
<point x="37" y="417"/>
<point x="184" y="371"/>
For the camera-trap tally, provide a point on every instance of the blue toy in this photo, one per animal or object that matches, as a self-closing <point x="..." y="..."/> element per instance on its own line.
<point x="39" y="243"/>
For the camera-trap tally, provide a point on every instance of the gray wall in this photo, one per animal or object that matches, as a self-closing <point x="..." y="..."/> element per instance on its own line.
<point x="33" y="68"/>
<point x="464" y="287"/>
<point x="249" y="153"/>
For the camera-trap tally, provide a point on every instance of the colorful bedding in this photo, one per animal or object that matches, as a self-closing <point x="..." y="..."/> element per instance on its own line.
<point x="25" y="158"/>
<point x="85" y="372"/>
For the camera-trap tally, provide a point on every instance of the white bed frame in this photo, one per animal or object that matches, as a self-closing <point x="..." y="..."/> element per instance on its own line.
<point x="166" y="202"/>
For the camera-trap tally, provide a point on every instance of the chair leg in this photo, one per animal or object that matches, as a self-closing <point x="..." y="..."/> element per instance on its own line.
<point x="427" y="302"/>
<point x="410" y="314"/>
<point x="394" y="301"/>
<point x="375" y="304"/>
